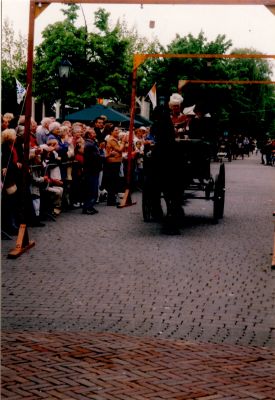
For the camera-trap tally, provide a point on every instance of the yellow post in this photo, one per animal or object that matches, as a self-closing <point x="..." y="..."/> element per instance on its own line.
<point x="273" y="256"/>
<point x="22" y="243"/>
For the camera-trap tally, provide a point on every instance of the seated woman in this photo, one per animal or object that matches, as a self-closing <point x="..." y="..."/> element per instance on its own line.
<point x="179" y="120"/>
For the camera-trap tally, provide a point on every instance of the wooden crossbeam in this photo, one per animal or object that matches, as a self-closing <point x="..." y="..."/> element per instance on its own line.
<point x="139" y="58"/>
<point x="198" y="2"/>
<point x="230" y="82"/>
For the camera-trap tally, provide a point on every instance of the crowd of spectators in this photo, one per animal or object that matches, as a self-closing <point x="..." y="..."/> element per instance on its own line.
<point x="71" y="165"/>
<point x="74" y="165"/>
<point x="240" y="146"/>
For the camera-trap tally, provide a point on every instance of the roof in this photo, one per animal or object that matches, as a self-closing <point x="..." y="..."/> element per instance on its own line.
<point x="142" y="120"/>
<point x="91" y="113"/>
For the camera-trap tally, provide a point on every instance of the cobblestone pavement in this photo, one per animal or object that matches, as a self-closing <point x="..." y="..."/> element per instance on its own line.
<point x="201" y="301"/>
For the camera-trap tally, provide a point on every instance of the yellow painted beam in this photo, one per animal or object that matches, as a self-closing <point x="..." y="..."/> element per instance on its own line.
<point x="271" y="9"/>
<point x="187" y="55"/>
<point x="230" y="82"/>
<point x="40" y="7"/>
<point x="140" y="58"/>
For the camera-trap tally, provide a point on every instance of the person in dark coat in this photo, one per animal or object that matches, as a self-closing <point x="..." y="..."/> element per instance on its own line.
<point x="98" y="125"/>
<point x="11" y="182"/>
<point x="165" y="170"/>
<point x="202" y="127"/>
<point x="92" y="165"/>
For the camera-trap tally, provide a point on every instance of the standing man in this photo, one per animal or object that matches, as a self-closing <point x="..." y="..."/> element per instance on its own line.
<point x="92" y="165"/>
<point x="98" y="125"/>
<point x="42" y="131"/>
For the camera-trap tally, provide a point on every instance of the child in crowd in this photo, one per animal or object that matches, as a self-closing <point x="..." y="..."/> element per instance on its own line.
<point x="53" y="175"/>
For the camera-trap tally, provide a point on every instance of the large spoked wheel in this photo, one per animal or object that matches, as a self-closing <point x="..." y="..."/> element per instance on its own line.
<point x="209" y="188"/>
<point x="219" y="195"/>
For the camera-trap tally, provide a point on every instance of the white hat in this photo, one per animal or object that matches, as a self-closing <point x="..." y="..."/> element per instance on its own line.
<point x="175" y="100"/>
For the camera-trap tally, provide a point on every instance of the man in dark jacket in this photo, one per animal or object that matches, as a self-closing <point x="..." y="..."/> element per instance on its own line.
<point x="91" y="167"/>
<point x="98" y="125"/>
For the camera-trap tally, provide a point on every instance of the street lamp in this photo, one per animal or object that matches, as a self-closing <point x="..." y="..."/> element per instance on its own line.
<point x="64" y="71"/>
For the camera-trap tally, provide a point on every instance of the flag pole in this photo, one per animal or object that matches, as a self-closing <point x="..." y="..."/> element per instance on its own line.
<point x="28" y="98"/>
<point x="21" y="108"/>
<point x="127" y="201"/>
<point x="23" y="243"/>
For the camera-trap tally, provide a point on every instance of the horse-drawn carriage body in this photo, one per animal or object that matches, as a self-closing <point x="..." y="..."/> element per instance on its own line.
<point x="192" y="159"/>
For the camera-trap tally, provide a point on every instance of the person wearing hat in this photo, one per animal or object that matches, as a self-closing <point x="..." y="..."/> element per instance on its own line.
<point x="163" y="172"/>
<point x="178" y="118"/>
<point x="201" y="126"/>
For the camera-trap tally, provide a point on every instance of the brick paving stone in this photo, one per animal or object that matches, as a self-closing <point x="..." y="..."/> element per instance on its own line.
<point x="112" y="364"/>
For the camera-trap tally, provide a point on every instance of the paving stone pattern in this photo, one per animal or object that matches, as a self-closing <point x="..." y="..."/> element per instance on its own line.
<point x="111" y="366"/>
<point x="106" y="303"/>
<point x="113" y="272"/>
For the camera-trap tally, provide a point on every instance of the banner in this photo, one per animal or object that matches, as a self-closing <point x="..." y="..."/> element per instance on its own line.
<point x="153" y="95"/>
<point x="21" y="91"/>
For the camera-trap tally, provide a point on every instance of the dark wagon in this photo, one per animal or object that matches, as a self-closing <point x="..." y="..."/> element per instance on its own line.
<point x="196" y="181"/>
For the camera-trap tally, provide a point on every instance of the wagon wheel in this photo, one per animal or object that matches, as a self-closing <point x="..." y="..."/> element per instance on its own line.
<point x="209" y="188"/>
<point x="219" y="195"/>
<point x="146" y="204"/>
<point x="222" y="175"/>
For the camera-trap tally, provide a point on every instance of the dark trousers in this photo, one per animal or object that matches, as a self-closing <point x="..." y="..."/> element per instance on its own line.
<point x="90" y="191"/>
<point x="112" y="180"/>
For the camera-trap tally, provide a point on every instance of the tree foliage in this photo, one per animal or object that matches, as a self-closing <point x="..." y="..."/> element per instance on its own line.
<point x="13" y="64"/>
<point x="247" y="105"/>
<point x="102" y="62"/>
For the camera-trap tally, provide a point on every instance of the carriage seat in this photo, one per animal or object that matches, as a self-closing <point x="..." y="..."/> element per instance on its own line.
<point x="195" y="157"/>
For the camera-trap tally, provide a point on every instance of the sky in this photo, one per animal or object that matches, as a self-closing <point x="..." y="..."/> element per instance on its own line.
<point x="248" y="26"/>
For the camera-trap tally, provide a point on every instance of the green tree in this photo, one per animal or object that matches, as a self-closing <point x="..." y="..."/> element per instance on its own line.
<point x="61" y="40"/>
<point x="248" y="104"/>
<point x="108" y="55"/>
<point x="102" y="20"/>
<point x="169" y="71"/>
<point x="13" y="65"/>
<point x="239" y="107"/>
<point x="101" y="61"/>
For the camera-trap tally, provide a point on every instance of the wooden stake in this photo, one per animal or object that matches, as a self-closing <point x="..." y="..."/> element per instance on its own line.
<point x="127" y="200"/>
<point x="273" y="257"/>
<point x="22" y="243"/>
